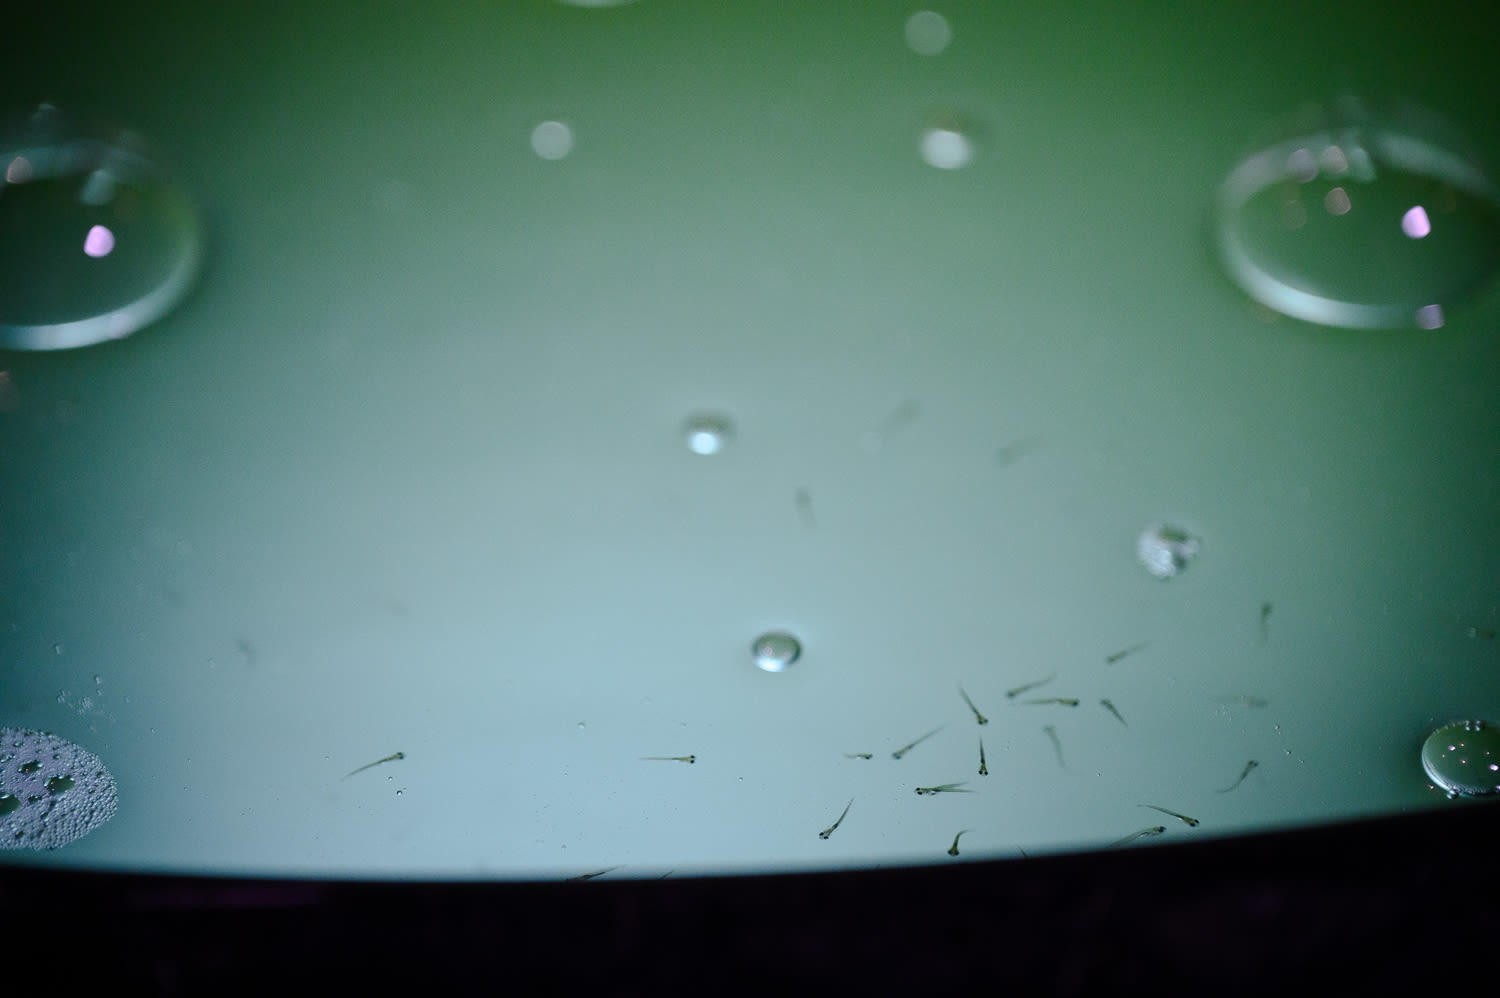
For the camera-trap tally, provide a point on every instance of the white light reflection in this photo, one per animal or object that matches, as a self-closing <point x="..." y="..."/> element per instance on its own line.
<point x="1301" y="165"/>
<point x="18" y="170"/>
<point x="1430" y="317"/>
<point x="1334" y="162"/>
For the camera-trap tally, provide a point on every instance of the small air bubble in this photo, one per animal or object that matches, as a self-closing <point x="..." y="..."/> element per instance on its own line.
<point x="775" y="651"/>
<point x="927" y="32"/>
<point x="552" y="140"/>
<point x="1165" y="551"/>
<point x="707" y="433"/>
<point x="946" y="148"/>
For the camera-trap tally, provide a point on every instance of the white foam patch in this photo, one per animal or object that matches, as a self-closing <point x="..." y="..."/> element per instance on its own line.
<point x="35" y="769"/>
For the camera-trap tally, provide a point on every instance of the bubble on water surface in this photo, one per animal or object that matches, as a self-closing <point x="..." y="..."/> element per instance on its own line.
<point x="707" y="433"/>
<point x="1360" y="219"/>
<point x="1166" y="551"/>
<point x="775" y="651"/>
<point x="946" y="147"/>
<point x="1463" y="758"/>
<point x="95" y="241"/>
<point x="927" y="32"/>
<point x="552" y="140"/>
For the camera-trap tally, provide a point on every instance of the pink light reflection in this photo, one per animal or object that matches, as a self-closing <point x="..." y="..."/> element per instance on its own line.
<point x="1415" y="222"/>
<point x="99" y="242"/>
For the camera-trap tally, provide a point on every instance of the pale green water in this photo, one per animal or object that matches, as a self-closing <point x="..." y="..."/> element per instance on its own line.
<point x="410" y="470"/>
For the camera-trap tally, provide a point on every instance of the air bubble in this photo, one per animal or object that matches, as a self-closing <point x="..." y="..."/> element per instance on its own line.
<point x="1360" y="220"/>
<point x="775" y="651"/>
<point x="552" y="140"/>
<point x="1460" y="758"/>
<point x="95" y="241"/>
<point x="707" y="433"/>
<point x="1165" y="551"/>
<point x="946" y="147"/>
<point x="927" y="32"/>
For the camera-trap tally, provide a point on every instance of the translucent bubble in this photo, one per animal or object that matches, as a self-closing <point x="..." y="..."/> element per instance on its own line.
<point x="1360" y="220"/>
<point x="946" y="148"/>
<point x="1463" y="758"/>
<point x="927" y="32"/>
<point x="552" y="140"/>
<point x="1165" y="550"/>
<point x="707" y="433"/>
<point x="95" y="242"/>
<point x="775" y="651"/>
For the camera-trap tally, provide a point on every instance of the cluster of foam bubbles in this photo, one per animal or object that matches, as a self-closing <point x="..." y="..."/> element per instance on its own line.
<point x="1165" y="550"/>
<point x="52" y="792"/>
